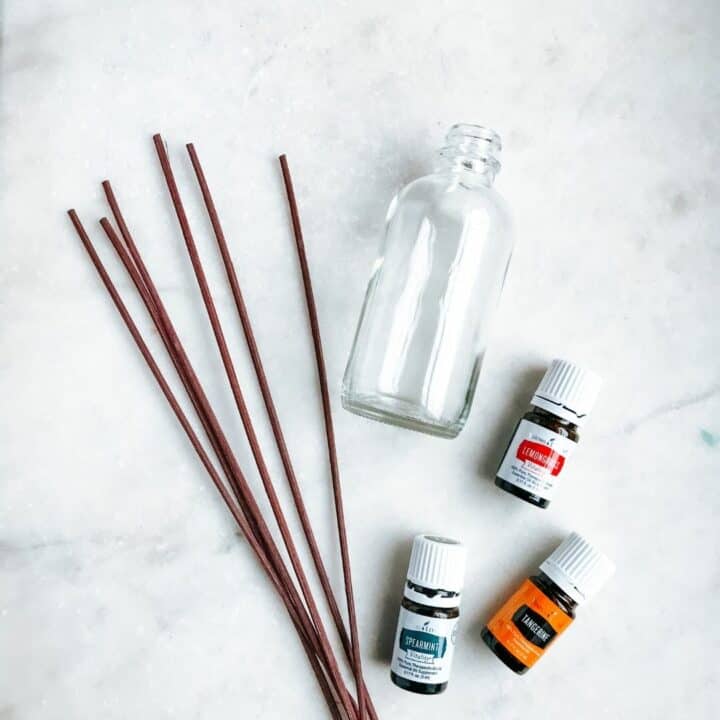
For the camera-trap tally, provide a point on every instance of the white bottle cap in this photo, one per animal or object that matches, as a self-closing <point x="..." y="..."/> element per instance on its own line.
<point x="437" y="563"/>
<point x="568" y="391"/>
<point x="578" y="568"/>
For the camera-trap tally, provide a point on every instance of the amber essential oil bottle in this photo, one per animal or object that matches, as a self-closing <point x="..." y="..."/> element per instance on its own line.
<point x="546" y="435"/>
<point x="544" y="605"/>
<point x="429" y="613"/>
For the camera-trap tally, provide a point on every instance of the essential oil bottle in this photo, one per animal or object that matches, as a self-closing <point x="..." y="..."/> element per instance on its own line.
<point x="546" y="435"/>
<point x="429" y="613"/>
<point x="544" y="605"/>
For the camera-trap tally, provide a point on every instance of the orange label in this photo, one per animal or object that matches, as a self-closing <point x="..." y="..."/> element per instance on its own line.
<point x="527" y="623"/>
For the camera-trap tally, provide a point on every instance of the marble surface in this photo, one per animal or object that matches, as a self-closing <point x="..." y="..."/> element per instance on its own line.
<point x="124" y="590"/>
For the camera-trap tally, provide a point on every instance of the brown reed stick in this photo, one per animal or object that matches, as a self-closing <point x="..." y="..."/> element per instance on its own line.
<point x="204" y="458"/>
<point x="272" y="412"/>
<point x="329" y="428"/>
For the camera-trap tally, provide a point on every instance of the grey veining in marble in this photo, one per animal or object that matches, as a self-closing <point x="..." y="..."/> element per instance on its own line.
<point x="124" y="589"/>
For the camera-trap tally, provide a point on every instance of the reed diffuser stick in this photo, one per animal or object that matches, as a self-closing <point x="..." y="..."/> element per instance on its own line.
<point x="329" y="428"/>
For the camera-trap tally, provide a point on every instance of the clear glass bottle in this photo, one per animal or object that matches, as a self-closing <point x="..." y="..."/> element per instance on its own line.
<point x="424" y="325"/>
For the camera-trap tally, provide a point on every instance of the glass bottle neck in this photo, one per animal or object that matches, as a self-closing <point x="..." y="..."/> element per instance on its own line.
<point x="471" y="151"/>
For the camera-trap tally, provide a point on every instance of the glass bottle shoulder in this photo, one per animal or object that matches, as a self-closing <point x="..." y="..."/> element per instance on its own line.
<point x="467" y="187"/>
<point x="454" y="195"/>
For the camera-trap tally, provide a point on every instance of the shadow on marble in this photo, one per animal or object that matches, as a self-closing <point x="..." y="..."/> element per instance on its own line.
<point x="388" y="604"/>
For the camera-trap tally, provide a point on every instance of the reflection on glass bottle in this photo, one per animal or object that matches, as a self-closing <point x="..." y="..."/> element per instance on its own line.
<point x="434" y="288"/>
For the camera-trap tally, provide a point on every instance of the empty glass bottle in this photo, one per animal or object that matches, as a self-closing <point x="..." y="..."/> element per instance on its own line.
<point x="434" y="288"/>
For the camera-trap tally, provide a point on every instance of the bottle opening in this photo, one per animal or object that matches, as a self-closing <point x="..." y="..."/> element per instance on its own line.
<point x="472" y="148"/>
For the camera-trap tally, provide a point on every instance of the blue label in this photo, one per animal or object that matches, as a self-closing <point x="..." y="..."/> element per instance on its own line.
<point x="423" y="642"/>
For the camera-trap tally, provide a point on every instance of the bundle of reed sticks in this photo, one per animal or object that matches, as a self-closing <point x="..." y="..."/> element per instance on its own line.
<point x="214" y="450"/>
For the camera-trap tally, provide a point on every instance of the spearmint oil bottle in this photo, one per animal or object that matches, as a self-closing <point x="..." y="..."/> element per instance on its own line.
<point x="424" y="325"/>
<point x="429" y="614"/>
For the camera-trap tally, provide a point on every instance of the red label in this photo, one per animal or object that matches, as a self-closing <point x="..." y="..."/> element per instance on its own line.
<point x="541" y="455"/>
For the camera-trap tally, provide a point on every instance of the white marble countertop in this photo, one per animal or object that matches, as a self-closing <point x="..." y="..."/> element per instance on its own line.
<point x="124" y="591"/>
